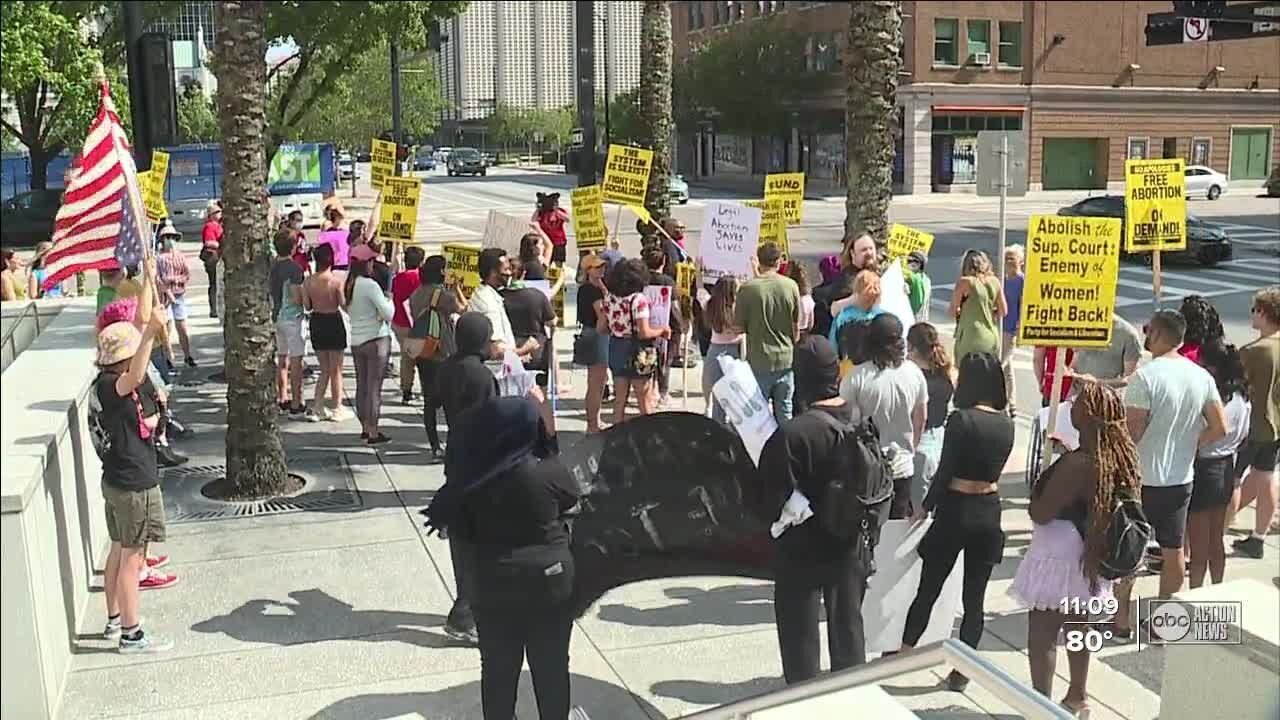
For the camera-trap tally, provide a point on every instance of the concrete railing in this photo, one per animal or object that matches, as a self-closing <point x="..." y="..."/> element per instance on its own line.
<point x="22" y="323"/>
<point x="52" y="529"/>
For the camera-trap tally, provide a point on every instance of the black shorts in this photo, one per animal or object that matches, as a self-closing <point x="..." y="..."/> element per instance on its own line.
<point x="557" y="254"/>
<point x="1214" y="482"/>
<point x="1259" y="455"/>
<point x="1166" y="510"/>
<point x="328" y="332"/>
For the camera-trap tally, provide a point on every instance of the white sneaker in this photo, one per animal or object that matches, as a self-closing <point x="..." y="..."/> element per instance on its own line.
<point x="340" y="414"/>
<point x="314" y="415"/>
<point x="112" y="631"/>
<point x="144" y="645"/>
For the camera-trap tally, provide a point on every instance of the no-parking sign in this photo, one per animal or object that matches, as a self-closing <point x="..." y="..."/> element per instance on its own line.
<point x="1195" y="29"/>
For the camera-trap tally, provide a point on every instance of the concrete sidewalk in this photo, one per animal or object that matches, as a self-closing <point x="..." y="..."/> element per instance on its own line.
<point x="336" y="611"/>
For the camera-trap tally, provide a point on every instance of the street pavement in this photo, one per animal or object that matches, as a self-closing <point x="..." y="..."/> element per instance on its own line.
<point x="336" y="612"/>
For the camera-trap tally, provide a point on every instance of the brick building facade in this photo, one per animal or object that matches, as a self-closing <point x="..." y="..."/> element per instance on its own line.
<point x="1078" y="79"/>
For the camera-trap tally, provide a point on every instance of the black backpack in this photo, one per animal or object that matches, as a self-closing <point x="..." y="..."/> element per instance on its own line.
<point x="857" y="493"/>
<point x="1128" y="533"/>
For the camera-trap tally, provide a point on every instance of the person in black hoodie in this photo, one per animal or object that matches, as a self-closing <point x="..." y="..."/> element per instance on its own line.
<point x="505" y="493"/>
<point x="809" y="562"/>
<point x="463" y="384"/>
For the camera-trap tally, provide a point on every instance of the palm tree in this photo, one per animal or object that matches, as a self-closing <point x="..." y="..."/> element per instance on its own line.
<point x="871" y="65"/>
<point x="655" y="101"/>
<point x="255" y="455"/>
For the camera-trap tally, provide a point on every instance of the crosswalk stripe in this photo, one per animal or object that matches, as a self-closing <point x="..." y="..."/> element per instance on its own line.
<point x="1186" y="278"/>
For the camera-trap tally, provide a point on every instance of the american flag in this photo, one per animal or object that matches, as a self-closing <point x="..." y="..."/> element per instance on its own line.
<point x="102" y="221"/>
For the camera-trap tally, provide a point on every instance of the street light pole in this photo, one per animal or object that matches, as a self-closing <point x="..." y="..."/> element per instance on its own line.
<point x="396" y="130"/>
<point x="608" y="94"/>
<point x="584" y="24"/>
<point x="132" y="12"/>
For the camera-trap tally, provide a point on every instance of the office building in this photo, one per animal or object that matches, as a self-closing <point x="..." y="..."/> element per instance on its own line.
<point x="522" y="54"/>
<point x="191" y="32"/>
<point x="1085" y="89"/>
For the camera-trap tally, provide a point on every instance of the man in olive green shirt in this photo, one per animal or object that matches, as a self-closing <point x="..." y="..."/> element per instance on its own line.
<point x="768" y="311"/>
<point x="1257" y="460"/>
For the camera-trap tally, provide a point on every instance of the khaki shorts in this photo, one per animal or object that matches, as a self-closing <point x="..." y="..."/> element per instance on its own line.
<point x="134" y="517"/>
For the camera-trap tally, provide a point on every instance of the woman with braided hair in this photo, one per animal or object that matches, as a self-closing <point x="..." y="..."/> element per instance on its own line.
<point x="1071" y="507"/>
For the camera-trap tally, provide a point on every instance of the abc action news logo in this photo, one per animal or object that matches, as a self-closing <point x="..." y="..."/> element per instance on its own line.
<point x="1194" y="622"/>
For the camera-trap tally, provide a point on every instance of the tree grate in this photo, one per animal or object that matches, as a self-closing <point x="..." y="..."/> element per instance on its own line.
<point x="327" y="485"/>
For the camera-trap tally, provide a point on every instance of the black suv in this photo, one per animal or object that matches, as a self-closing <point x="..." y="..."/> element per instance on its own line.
<point x="1206" y="244"/>
<point x="467" y="161"/>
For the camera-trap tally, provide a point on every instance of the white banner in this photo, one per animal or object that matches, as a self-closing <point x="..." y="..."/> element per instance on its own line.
<point x="892" y="589"/>
<point x="749" y="413"/>
<point x="659" y="297"/>
<point x="893" y="296"/>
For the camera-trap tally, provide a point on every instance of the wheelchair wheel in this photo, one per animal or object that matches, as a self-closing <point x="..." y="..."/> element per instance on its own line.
<point x="1033" y="452"/>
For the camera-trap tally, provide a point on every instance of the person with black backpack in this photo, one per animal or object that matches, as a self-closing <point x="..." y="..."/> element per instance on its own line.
<point x="1089" y="530"/>
<point x="825" y="487"/>
<point x="965" y="500"/>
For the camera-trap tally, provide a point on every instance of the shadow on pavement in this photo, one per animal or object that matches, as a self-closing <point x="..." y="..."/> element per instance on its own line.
<point x="728" y="605"/>
<point x="699" y="692"/>
<point x="312" y="617"/>
<point x="602" y="700"/>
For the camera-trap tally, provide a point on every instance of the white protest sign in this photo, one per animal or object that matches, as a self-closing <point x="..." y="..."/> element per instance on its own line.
<point x="513" y="379"/>
<point x="749" y="413"/>
<point x="504" y="231"/>
<point x="730" y="233"/>
<point x="1064" y="432"/>
<point x="659" y="297"/>
<point x="893" y="296"/>
<point x="892" y="589"/>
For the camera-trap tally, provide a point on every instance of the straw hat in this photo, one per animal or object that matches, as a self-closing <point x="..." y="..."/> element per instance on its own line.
<point x="117" y="342"/>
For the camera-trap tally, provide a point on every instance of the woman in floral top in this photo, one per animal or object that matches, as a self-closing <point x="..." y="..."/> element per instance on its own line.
<point x="626" y="319"/>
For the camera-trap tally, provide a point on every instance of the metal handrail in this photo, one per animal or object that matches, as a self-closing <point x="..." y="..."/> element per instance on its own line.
<point x="1024" y="700"/>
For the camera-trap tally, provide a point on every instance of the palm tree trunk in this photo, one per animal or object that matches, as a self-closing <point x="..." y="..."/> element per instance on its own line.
<point x="655" y="101"/>
<point x="255" y="455"/>
<point x="871" y="67"/>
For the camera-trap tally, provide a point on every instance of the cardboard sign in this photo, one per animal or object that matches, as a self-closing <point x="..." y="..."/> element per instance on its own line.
<point x="1070" y="289"/>
<point x="773" y="226"/>
<point x="659" y="297"/>
<point x="589" y="228"/>
<point x="626" y="174"/>
<point x="686" y="278"/>
<point x="749" y="413"/>
<point x="462" y="266"/>
<point x="1155" y="205"/>
<point x="904" y="240"/>
<point x="557" y="301"/>
<point x="398" y="218"/>
<point x="505" y="231"/>
<point x="730" y="233"/>
<point x="891" y="590"/>
<point x="152" y="198"/>
<point x="382" y="162"/>
<point x="788" y="187"/>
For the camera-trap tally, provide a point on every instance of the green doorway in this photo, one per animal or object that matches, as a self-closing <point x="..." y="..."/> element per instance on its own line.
<point x="1070" y="164"/>
<point x="1250" y="153"/>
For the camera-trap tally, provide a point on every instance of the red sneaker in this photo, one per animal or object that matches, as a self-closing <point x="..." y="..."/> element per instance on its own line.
<point x="157" y="561"/>
<point x="157" y="581"/>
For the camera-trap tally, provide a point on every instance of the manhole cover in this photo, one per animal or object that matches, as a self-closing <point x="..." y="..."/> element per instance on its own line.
<point x="327" y="485"/>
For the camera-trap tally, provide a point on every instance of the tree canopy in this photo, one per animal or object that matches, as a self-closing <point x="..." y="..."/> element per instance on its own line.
<point x="357" y="106"/>
<point x="513" y="125"/>
<point x="752" y="80"/>
<point x="197" y="118"/>
<point x="331" y="40"/>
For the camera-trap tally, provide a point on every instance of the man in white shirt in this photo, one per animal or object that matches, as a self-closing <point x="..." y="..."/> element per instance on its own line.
<point x="495" y="273"/>
<point x="1172" y="407"/>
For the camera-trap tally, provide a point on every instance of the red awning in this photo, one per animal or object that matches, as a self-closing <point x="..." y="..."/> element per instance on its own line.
<point x="980" y="108"/>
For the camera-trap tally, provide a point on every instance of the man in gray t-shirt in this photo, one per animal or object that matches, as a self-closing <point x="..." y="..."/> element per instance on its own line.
<point x="1112" y="365"/>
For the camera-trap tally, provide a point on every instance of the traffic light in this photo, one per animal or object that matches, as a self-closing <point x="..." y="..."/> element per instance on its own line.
<point x="160" y="100"/>
<point x="1211" y="9"/>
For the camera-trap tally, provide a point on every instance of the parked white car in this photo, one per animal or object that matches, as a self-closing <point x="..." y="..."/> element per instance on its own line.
<point x="1205" y="182"/>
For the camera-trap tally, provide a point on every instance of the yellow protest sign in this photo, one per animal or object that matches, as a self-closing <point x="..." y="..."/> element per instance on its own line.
<point x="398" y="213"/>
<point x="626" y="174"/>
<point x="462" y="266"/>
<point x="788" y="187"/>
<point x="382" y="162"/>
<point x="1155" y="205"/>
<point x="553" y="273"/>
<point x="773" y="226"/>
<point x="686" y="276"/>
<point x="589" y="228"/>
<point x="152" y="199"/>
<point x="904" y="240"/>
<point x="643" y="213"/>
<point x="1070" y="288"/>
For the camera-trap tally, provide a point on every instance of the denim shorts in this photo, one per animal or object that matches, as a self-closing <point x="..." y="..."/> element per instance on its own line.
<point x="592" y="350"/>
<point x="178" y="308"/>
<point x="620" y="351"/>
